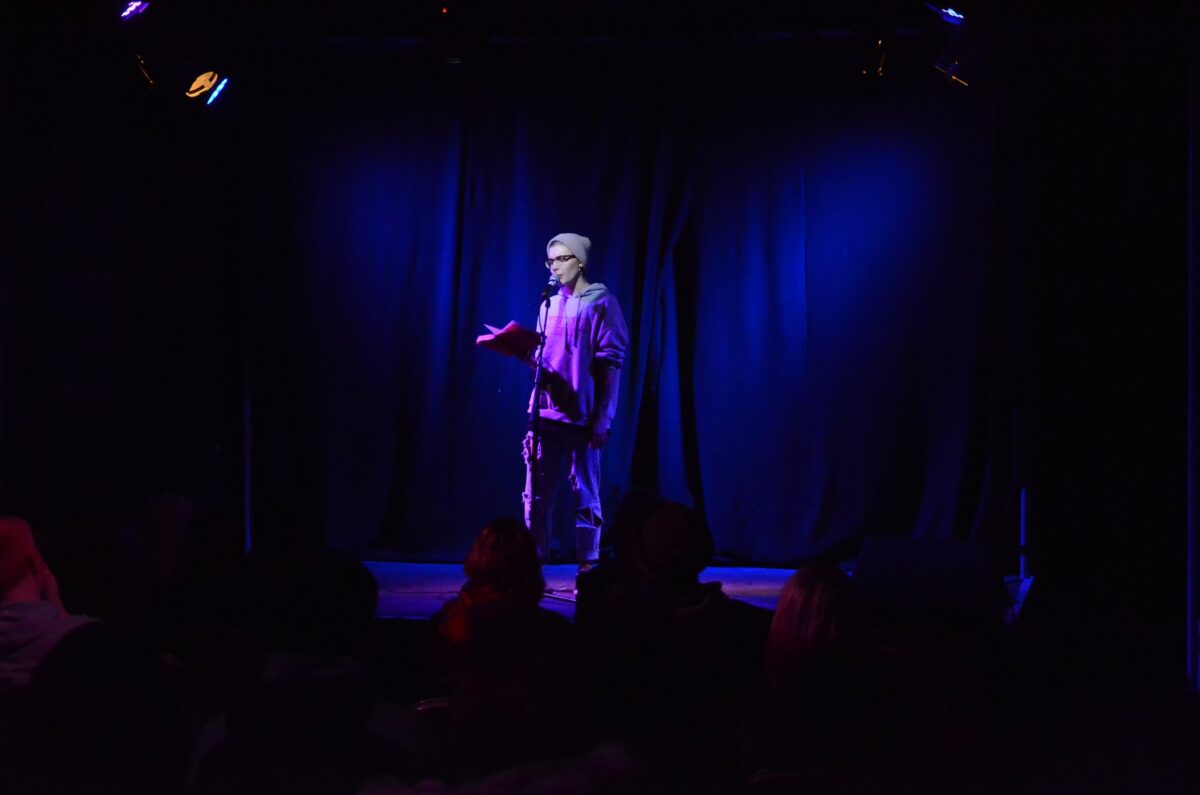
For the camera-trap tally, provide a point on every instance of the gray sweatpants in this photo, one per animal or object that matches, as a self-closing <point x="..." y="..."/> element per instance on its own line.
<point x="564" y="448"/>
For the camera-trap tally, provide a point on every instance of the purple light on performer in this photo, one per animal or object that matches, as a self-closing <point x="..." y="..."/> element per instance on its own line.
<point x="133" y="9"/>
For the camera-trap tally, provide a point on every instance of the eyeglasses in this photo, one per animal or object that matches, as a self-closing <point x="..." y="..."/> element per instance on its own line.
<point x="560" y="258"/>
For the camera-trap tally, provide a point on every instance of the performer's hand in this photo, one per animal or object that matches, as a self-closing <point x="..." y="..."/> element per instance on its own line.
<point x="599" y="437"/>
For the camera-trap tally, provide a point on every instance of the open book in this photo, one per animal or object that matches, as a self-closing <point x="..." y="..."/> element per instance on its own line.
<point x="512" y="340"/>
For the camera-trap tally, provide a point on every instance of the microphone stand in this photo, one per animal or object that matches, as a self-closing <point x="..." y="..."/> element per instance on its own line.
<point x="535" y="422"/>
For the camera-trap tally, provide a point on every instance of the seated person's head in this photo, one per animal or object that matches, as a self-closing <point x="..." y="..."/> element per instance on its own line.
<point x="19" y="561"/>
<point x="667" y="548"/>
<point x="818" y="612"/>
<point x="159" y="536"/>
<point x="504" y="560"/>
<point x="106" y="714"/>
<point x="631" y="511"/>
<point x="314" y="601"/>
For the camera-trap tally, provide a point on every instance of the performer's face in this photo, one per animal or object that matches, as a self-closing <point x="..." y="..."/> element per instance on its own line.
<point x="564" y="271"/>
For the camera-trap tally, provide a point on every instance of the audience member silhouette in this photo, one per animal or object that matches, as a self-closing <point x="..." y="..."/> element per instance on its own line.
<point x="841" y="716"/>
<point x="818" y="616"/>
<point x="510" y="668"/>
<point x="503" y="574"/>
<point x="32" y="616"/>
<point x="179" y="557"/>
<point x="313" y="724"/>
<point x="676" y="660"/>
<point x="106" y="713"/>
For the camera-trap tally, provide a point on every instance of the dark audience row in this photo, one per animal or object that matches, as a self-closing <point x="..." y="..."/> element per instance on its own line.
<point x="272" y="674"/>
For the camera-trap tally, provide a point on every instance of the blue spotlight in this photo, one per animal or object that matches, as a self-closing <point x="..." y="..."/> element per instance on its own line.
<point x="217" y="91"/>
<point x="133" y="9"/>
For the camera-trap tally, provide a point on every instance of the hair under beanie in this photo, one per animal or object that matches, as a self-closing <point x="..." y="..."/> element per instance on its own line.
<point x="577" y="244"/>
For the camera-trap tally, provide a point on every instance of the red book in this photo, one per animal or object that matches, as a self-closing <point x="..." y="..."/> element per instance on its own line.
<point x="512" y="340"/>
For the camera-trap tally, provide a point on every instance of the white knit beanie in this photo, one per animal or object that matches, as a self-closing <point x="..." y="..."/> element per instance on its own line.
<point x="576" y="244"/>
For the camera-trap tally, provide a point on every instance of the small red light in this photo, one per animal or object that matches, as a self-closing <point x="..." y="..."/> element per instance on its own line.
<point x="445" y="9"/>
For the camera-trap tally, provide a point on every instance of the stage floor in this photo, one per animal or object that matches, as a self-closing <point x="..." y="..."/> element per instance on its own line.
<point x="417" y="590"/>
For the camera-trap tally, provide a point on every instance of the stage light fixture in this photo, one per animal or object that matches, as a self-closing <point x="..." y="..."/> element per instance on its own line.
<point x="202" y="84"/>
<point x="134" y="9"/>
<point x="967" y="42"/>
<point x="948" y="14"/>
<point x="217" y="91"/>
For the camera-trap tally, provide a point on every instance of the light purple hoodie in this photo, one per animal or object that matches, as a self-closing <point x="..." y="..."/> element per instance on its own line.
<point x="586" y="340"/>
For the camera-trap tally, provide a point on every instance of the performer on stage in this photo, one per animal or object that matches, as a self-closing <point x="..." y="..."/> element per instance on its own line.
<point x="585" y="345"/>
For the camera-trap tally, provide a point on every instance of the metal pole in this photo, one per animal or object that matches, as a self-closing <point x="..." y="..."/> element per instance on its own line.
<point x="1193" y="396"/>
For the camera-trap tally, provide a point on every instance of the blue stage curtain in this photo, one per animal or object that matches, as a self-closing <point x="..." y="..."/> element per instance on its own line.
<point x="809" y="277"/>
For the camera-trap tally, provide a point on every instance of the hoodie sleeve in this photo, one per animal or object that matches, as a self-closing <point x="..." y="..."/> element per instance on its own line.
<point x="612" y="338"/>
<point x="611" y="335"/>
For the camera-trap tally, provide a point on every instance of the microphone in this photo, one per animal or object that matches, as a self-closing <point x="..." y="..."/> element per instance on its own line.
<point x="553" y="283"/>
